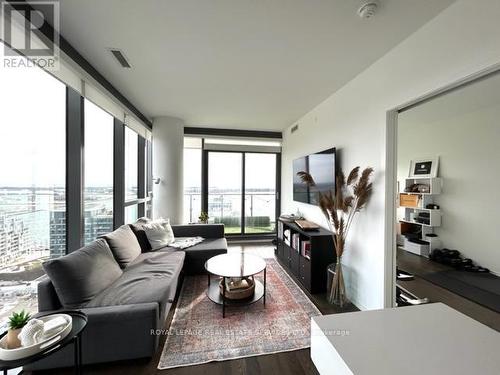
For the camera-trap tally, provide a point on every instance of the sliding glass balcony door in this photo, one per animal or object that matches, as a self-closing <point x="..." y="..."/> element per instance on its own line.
<point x="260" y="193"/>
<point x="242" y="191"/>
<point x="225" y="189"/>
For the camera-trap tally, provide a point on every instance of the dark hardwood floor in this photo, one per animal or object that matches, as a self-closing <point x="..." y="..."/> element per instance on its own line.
<point x="422" y="288"/>
<point x="294" y="363"/>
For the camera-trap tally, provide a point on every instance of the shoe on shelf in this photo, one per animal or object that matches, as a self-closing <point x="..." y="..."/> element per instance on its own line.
<point x="403" y="275"/>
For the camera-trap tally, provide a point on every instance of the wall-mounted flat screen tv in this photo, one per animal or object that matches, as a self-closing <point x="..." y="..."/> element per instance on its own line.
<point x="321" y="166"/>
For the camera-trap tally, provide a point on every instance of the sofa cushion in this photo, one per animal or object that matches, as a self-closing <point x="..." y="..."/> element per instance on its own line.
<point x="79" y="276"/>
<point x="202" y="230"/>
<point x="151" y="277"/>
<point x="124" y="245"/>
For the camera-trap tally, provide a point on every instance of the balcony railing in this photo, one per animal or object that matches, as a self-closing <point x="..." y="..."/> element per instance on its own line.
<point x="226" y="208"/>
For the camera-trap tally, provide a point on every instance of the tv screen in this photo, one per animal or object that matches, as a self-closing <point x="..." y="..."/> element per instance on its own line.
<point x="321" y="166"/>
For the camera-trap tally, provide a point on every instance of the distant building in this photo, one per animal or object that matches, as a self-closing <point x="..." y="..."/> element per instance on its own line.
<point x="98" y="221"/>
<point x="57" y="233"/>
<point x="33" y="220"/>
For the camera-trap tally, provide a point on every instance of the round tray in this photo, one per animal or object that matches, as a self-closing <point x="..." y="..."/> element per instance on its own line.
<point x="239" y="293"/>
<point x="27" y="351"/>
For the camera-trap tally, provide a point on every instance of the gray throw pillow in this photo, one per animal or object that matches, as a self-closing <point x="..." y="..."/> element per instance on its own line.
<point x="124" y="245"/>
<point x="79" y="276"/>
<point x="141" y="234"/>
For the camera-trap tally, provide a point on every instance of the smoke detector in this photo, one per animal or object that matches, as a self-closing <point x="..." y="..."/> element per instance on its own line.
<point x="368" y="9"/>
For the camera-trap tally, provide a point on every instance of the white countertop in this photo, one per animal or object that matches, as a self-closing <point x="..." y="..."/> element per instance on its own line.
<point x="426" y="339"/>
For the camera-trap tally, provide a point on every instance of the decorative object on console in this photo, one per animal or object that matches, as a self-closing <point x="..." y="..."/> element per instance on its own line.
<point x="16" y="322"/>
<point x="307" y="225"/>
<point x="351" y="196"/>
<point x="424" y="167"/>
<point x="290" y="218"/>
<point x="203" y="218"/>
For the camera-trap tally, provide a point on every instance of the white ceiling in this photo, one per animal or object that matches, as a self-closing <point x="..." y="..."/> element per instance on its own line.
<point x="239" y="64"/>
<point x="481" y="95"/>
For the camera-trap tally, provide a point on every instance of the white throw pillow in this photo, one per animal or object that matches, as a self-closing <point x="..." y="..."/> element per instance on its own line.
<point x="143" y="220"/>
<point x="159" y="233"/>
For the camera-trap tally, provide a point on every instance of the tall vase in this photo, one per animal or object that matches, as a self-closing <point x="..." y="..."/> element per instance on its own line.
<point x="336" y="291"/>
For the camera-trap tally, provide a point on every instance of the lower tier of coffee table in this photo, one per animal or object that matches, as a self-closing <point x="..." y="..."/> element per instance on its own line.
<point x="215" y="295"/>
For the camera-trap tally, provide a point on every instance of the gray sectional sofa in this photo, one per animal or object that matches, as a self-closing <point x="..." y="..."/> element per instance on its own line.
<point x="126" y="293"/>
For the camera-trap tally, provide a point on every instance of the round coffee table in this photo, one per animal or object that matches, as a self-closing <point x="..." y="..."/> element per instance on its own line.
<point x="238" y="266"/>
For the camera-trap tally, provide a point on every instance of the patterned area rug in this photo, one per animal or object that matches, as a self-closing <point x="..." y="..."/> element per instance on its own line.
<point x="198" y="333"/>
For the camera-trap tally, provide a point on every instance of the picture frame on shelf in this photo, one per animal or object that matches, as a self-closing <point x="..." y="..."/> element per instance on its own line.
<point x="424" y="168"/>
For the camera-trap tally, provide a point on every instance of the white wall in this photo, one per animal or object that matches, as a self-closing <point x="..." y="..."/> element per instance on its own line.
<point x="467" y="144"/>
<point x="168" y="155"/>
<point x="458" y="42"/>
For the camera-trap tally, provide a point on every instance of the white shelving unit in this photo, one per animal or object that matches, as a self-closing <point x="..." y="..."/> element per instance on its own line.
<point x="429" y="188"/>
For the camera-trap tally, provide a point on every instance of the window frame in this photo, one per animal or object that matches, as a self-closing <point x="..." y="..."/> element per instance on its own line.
<point x="204" y="179"/>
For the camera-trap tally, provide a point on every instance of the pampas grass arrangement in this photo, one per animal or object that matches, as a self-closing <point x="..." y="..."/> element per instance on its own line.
<point x="340" y="207"/>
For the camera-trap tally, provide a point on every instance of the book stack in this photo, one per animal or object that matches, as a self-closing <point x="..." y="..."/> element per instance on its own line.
<point x="305" y="249"/>
<point x="296" y="242"/>
<point x="286" y="236"/>
<point x="280" y="230"/>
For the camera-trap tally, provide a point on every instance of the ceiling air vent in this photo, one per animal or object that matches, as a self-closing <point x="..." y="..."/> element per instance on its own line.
<point x="120" y="57"/>
<point x="294" y="128"/>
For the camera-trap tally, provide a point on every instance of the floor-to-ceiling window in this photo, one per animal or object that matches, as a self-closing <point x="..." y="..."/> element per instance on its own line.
<point x="32" y="182"/>
<point x="131" y="156"/>
<point x="234" y="180"/>
<point x="192" y="179"/>
<point x="98" y="166"/>
<point x="225" y="173"/>
<point x="137" y="176"/>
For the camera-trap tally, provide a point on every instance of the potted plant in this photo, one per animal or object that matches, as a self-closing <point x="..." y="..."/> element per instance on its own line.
<point x="339" y="207"/>
<point x="203" y="218"/>
<point x="16" y="322"/>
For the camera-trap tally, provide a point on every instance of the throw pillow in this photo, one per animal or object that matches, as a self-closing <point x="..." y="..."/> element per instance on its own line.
<point x="143" y="220"/>
<point x="140" y="234"/>
<point x="124" y="245"/>
<point x="79" y="276"/>
<point x="159" y="233"/>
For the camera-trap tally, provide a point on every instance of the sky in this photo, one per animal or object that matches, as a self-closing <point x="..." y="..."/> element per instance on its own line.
<point x="33" y="132"/>
<point x="32" y="127"/>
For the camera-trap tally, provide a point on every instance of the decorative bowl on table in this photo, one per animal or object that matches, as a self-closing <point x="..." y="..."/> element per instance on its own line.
<point x="49" y="338"/>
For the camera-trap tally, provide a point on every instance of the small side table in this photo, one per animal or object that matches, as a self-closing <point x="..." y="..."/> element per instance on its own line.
<point x="74" y="336"/>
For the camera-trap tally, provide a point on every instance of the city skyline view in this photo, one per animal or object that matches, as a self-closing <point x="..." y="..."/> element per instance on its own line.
<point x="33" y="180"/>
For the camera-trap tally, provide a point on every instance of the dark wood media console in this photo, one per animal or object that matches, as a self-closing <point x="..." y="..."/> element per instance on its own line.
<point x="310" y="271"/>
